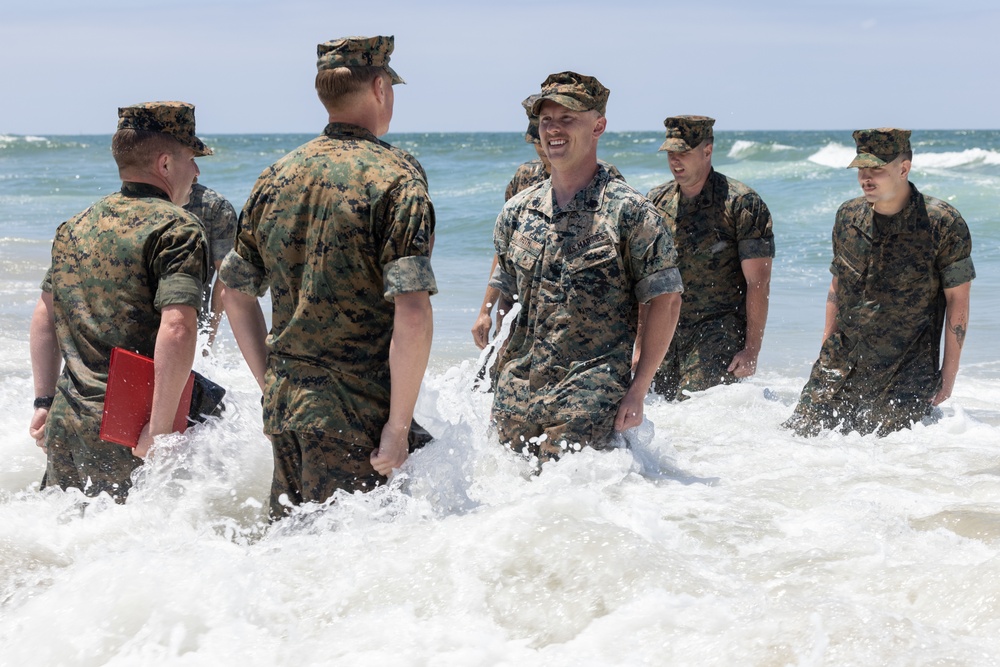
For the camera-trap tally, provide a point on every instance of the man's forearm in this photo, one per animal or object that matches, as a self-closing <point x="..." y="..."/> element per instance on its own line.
<point x="956" y="327"/>
<point x="46" y="359"/>
<point x="757" y="302"/>
<point x="413" y="330"/>
<point x="659" y="325"/>
<point x="832" y="310"/>
<point x="172" y="359"/>
<point x="246" y="319"/>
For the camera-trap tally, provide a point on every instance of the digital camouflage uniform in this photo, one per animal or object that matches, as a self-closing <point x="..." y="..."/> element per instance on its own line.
<point x="336" y="229"/>
<point x="716" y="230"/>
<point x="579" y="274"/>
<point x="218" y="217"/>
<point x="726" y="223"/>
<point x="115" y="266"/>
<point x="879" y="370"/>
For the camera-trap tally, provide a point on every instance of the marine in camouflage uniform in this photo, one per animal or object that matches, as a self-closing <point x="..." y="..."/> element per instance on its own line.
<point x="722" y="231"/>
<point x="119" y="271"/>
<point x="578" y="261"/>
<point x="218" y="217"/>
<point x="528" y="174"/>
<point x="341" y="231"/>
<point x="902" y="267"/>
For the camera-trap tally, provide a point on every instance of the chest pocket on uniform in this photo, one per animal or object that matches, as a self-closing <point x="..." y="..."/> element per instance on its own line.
<point x="524" y="252"/>
<point x="593" y="267"/>
<point x="850" y="269"/>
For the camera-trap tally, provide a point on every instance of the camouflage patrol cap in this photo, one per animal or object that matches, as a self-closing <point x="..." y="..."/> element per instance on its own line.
<point x="531" y="134"/>
<point x="172" y="118"/>
<point x="358" y="52"/>
<point x="686" y="132"/>
<point x="879" y="146"/>
<point x="576" y="92"/>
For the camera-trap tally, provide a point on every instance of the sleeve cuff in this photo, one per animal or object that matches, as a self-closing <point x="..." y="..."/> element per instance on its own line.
<point x="239" y="274"/>
<point x="958" y="273"/>
<point x="408" y="274"/>
<point x="503" y="281"/>
<point x="178" y="289"/>
<point x="661" y="282"/>
<point x="756" y="248"/>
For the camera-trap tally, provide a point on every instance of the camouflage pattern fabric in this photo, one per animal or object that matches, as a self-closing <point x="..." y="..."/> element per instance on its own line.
<point x="579" y="274"/>
<point x="357" y="52"/>
<point x="528" y="174"/>
<point x="548" y="442"/>
<point x="726" y="223"/>
<point x="311" y="469"/>
<point x="879" y="146"/>
<point x="878" y="371"/>
<point x="114" y="267"/>
<point x="218" y="217"/>
<point x="577" y="92"/>
<point x="533" y="172"/>
<point x="337" y="228"/>
<point x="173" y="118"/>
<point x="685" y="133"/>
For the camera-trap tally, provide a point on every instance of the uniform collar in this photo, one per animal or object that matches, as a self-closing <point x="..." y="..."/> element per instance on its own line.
<point x="348" y="130"/>
<point x="142" y="190"/>
<point x="588" y="199"/>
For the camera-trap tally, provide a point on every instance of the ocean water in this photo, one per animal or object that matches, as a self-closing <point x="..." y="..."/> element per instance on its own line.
<point x="717" y="539"/>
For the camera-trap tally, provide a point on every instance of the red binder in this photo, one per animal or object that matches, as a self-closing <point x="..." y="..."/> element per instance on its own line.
<point x="129" y="399"/>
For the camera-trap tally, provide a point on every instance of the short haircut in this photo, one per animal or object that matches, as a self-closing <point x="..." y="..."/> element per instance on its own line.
<point x="334" y="85"/>
<point x="139" y="148"/>
<point x="906" y="155"/>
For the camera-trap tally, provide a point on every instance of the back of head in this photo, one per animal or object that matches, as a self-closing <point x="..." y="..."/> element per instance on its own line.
<point x="149" y="129"/>
<point x="346" y="66"/>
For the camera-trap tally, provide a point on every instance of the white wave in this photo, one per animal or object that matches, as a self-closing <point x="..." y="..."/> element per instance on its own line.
<point x="950" y="160"/>
<point x="838" y="155"/>
<point x="743" y="149"/>
<point x="834" y="155"/>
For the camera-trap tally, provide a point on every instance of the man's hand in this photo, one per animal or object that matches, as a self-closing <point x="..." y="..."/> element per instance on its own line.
<point x="944" y="393"/>
<point x="37" y="426"/>
<point x="744" y="364"/>
<point x="629" y="411"/>
<point x="393" y="449"/>
<point x="481" y="330"/>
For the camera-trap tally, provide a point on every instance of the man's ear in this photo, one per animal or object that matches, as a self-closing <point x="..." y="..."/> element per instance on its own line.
<point x="378" y="88"/>
<point x="163" y="163"/>
<point x="600" y="126"/>
<point x="904" y="167"/>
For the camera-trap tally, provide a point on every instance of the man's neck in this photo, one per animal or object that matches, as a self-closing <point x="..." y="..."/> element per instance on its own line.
<point x="895" y="205"/>
<point x="569" y="181"/>
<point x="693" y="190"/>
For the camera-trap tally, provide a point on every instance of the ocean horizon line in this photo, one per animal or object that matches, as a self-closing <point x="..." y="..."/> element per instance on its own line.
<point x="467" y="132"/>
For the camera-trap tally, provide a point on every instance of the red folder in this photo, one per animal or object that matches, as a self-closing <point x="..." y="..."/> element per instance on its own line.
<point x="129" y="399"/>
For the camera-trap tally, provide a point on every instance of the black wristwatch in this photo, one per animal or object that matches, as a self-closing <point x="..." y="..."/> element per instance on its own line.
<point x="43" y="402"/>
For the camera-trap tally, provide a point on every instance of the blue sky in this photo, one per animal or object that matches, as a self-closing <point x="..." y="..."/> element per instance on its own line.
<point x="248" y="65"/>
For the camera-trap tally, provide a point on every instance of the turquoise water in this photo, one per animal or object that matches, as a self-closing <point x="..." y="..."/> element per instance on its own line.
<point x="717" y="539"/>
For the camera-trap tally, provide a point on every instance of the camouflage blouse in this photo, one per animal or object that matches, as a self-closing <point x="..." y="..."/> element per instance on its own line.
<point x="337" y="228"/>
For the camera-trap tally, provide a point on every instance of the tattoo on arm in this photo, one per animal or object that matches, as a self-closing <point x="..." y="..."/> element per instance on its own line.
<point x="959" y="331"/>
<point x="831" y="296"/>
